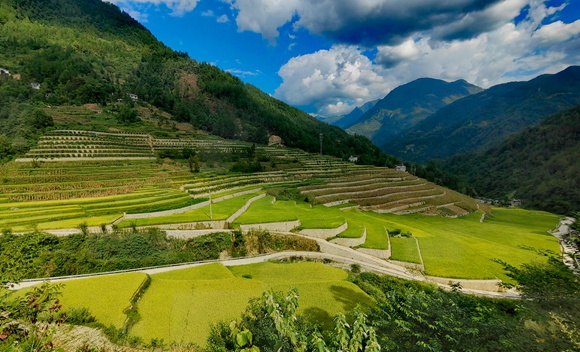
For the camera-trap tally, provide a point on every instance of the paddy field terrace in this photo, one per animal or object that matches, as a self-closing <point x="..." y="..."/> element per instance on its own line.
<point x="97" y="182"/>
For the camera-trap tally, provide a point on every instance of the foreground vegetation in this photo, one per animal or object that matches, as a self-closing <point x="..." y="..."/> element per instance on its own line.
<point x="395" y="314"/>
<point x="38" y="255"/>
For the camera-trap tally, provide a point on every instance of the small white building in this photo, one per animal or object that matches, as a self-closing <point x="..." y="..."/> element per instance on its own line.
<point x="401" y="168"/>
<point x="4" y="72"/>
<point x="353" y="159"/>
<point x="35" y="85"/>
<point x="133" y="97"/>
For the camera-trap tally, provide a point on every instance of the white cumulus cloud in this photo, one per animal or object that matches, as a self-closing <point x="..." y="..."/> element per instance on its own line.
<point x="332" y="80"/>
<point x="335" y="80"/>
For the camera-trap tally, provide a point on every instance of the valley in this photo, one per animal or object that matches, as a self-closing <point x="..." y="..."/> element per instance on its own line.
<point x="153" y="202"/>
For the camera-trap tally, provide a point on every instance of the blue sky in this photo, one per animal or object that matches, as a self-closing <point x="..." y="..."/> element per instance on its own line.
<point x="328" y="56"/>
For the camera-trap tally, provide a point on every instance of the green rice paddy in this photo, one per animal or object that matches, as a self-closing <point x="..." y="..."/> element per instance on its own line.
<point x="105" y="296"/>
<point x="181" y="305"/>
<point x="317" y="217"/>
<point x="220" y="211"/>
<point x="405" y="250"/>
<point x="465" y="248"/>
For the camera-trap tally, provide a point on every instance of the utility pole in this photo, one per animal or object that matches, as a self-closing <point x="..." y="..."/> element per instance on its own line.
<point x="321" y="136"/>
<point x="210" y="211"/>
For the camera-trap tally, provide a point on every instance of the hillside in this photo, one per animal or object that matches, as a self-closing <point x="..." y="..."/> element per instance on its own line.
<point x="89" y="52"/>
<point x="538" y="165"/>
<point x="482" y="120"/>
<point x="355" y="114"/>
<point x="406" y="106"/>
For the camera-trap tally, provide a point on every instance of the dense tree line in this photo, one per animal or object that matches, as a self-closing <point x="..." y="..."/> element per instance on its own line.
<point x="539" y="165"/>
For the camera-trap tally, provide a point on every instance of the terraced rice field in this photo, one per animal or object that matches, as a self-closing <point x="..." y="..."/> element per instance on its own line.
<point x="220" y="211"/>
<point x="89" y="188"/>
<point x="405" y="250"/>
<point x="390" y="191"/>
<point x="106" y="297"/>
<point x="180" y="305"/>
<point x="318" y="217"/>
<point x="465" y="248"/>
<point x="63" y="195"/>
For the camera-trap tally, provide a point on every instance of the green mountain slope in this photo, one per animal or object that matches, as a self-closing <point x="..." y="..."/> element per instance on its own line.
<point x="538" y="164"/>
<point x="88" y="51"/>
<point x="482" y="120"/>
<point x="408" y="105"/>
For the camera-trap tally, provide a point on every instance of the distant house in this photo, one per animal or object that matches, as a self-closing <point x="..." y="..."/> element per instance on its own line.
<point x="401" y="168"/>
<point x="133" y="97"/>
<point x="353" y="159"/>
<point x="4" y="72"/>
<point x="35" y="86"/>
<point x="516" y="202"/>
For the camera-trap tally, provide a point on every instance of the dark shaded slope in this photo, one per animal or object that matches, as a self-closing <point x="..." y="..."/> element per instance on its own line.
<point x="482" y="120"/>
<point x="539" y="164"/>
<point x="408" y="105"/>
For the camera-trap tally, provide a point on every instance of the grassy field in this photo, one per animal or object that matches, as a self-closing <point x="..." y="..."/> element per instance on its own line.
<point x="323" y="290"/>
<point x="105" y="296"/>
<point x="220" y="210"/>
<point x="465" y="248"/>
<point x="180" y="305"/>
<point x="318" y="217"/>
<point x="405" y="250"/>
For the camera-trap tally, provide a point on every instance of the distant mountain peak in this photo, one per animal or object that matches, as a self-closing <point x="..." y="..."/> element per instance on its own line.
<point x="407" y="105"/>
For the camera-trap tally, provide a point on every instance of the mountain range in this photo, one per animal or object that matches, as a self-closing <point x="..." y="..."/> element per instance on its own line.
<point x="480" y="121"/>
<point x="406" y="106"/>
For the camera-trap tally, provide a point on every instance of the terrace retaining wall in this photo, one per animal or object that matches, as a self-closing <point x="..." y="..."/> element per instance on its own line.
<point x="187" y="234"/>
<point x="324" y="233"/>
<point x="199" y="225"/>
<point x="379" y="253"/>
<point x="413" y="266"/>
<point x="351" y="242"/>
<point x="285" y="226"/>
<point x="244" y="208"/>
<point x="185" y="209"/>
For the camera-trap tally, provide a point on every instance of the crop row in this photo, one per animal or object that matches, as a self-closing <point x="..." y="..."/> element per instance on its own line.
<point x="381" y="193"/>
<point x="53" y="187"/>
<point x="373" y="192"/>
<point x="86" y="155"/>
<point x="407" y="197"/>
<point x="70" y="194"/>
<point x="24" y="180"/>
<point x="325" y="191"/>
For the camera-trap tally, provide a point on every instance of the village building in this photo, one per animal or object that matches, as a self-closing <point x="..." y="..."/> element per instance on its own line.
<point x="401" y="168"/>
<point x="353" y="159"/>
<point x="133" y="97"/>
<point x="35" y="85"/>
<point x="4" y="72"/>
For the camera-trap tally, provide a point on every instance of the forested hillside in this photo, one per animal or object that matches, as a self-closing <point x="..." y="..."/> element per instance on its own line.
<point x="88" y="51"/>
<point x="406" y="106"/>
<point x="539" y="165"/>
<point x="480" y="121"/>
